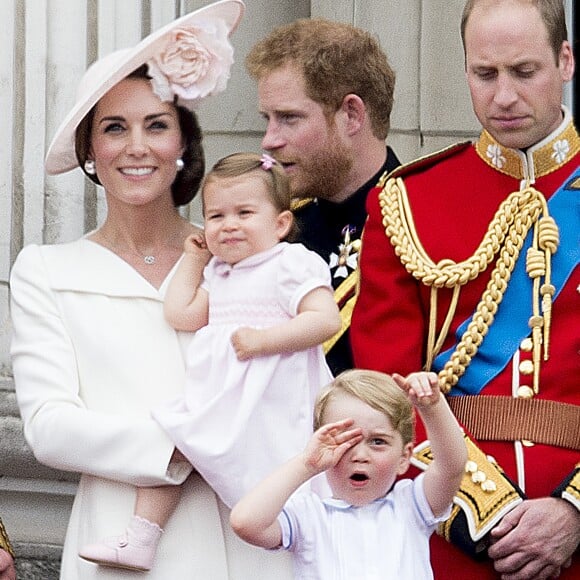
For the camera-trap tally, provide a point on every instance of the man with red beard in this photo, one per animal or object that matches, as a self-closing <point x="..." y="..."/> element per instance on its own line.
<point x="470" y="268"/>
<point x="326" y="92"/>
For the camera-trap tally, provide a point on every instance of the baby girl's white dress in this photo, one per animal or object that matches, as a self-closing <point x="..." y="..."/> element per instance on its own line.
<point x="238" y="420"/>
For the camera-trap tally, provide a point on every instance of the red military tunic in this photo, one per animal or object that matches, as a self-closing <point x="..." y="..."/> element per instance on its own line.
<point x="453" y="196"/>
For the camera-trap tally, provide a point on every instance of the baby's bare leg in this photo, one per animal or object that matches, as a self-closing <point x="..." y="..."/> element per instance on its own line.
<point x="156" y="504"/>
<point x="136" y="548"/>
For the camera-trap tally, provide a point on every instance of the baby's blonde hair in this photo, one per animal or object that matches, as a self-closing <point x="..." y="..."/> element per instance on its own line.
<point x="272" y="174"/>
<point x="377" y="390"/>
<point x="239" y="164"/>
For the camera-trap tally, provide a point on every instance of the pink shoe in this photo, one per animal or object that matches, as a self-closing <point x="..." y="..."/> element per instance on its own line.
<point x="134" y="550"/>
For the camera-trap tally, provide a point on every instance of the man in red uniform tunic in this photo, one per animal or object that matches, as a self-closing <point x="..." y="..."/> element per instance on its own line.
<point x="469" y="266"/>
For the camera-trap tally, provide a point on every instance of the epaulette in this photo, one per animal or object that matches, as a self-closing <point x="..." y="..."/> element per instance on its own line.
<point x="422" y="163"/>
<point x="485" y="496"/>
<point x="298" y="203"/>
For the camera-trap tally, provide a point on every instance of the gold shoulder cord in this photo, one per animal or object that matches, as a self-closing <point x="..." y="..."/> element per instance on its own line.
<point x="504" y="238"/>
<point x="5" y="541"/>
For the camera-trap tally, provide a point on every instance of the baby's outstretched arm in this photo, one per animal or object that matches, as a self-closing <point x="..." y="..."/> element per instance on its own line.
<point x="317" y="320"/>
<point x="186" y="305"/>
<point x="443" y="477"/>
<point x="254" y="517"/>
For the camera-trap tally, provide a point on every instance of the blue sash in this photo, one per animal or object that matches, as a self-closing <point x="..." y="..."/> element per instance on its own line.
<point x="510" y="326"/>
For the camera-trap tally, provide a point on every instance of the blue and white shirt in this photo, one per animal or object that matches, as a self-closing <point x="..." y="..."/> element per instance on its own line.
<point x="386" y="539"/>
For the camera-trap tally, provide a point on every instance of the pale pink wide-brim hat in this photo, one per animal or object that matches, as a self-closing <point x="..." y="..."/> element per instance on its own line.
<point x="105" y="73"/>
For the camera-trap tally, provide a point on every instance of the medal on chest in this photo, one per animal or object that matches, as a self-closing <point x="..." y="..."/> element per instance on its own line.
<point x="346" y="260"/>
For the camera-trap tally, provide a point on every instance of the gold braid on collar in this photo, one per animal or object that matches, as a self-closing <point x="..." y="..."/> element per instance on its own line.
<point x="504" y="239"/>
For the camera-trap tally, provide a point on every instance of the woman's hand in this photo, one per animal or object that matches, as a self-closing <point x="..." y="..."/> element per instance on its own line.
<point x="7" y="569"/>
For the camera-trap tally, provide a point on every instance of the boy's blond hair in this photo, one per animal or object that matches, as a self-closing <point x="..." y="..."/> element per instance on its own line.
<point x="377" y="390"/>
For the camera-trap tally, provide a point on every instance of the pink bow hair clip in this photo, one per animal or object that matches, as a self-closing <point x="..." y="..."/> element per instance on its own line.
<point x="267" y="161"/>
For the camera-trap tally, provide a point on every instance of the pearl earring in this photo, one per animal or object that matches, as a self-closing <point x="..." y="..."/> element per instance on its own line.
<point x="179" y="164"/>
<point x="90" y="167"/>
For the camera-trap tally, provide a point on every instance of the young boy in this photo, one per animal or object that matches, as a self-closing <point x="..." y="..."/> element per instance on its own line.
<point x="372" y="527"/>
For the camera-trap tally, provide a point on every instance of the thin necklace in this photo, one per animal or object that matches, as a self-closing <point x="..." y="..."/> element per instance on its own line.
<point x="148" y="259"/>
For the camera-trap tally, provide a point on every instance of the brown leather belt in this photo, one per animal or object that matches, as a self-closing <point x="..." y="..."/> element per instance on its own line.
<point x="497" y="418"/>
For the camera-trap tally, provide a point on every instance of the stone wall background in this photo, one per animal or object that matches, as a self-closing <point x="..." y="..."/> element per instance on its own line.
<point x="44" y="49"/>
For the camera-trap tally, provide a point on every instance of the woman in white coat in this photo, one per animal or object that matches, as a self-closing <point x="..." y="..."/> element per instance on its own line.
<point x="92" y="353"/>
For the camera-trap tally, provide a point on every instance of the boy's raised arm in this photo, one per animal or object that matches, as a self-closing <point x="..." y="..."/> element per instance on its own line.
<point x="254" y="517"/>
<point x="443" y="477"/>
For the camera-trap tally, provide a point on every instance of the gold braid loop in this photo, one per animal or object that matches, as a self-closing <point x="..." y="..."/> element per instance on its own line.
<point x="504" y="238"/>
<point x="399" y="227"/>
<point x="535" y="263"/>
<point x="548" y="241"/>
<point x="548" y="234"/>
<point x="488" y="304"/>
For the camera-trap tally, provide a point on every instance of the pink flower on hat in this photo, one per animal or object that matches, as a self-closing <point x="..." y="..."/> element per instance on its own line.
<point x="195" y="63"/>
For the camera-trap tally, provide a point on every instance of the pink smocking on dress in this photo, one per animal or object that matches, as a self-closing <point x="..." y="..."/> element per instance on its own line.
<point x="238" y="420"/>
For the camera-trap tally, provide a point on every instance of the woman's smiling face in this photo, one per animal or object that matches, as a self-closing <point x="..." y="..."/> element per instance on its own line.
<point x="135" y="142"/>
<point x="368" y="470"/>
